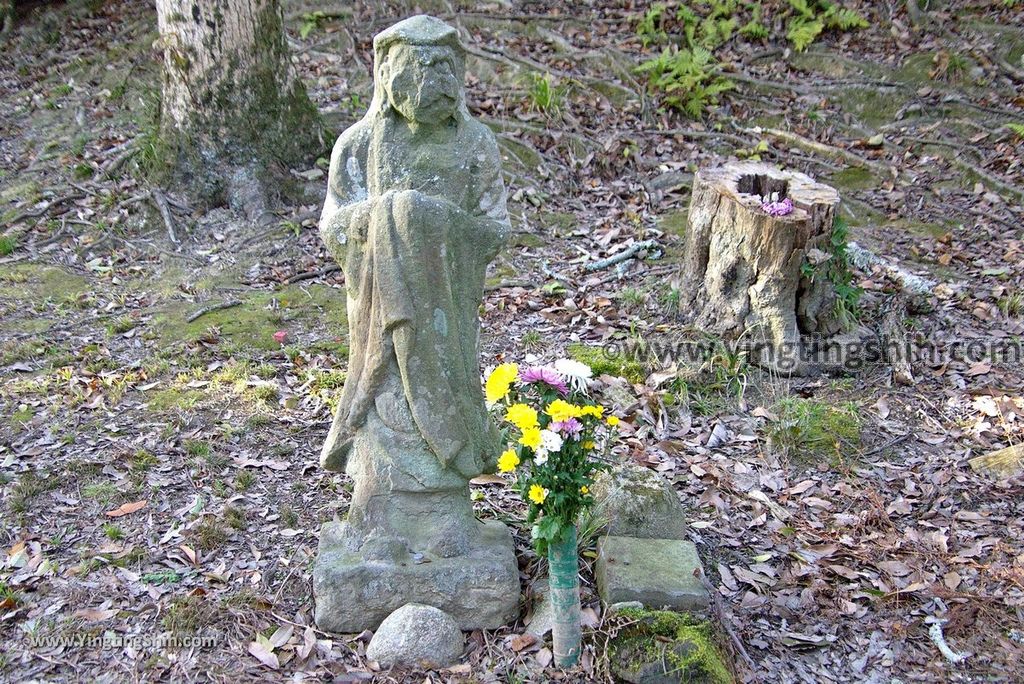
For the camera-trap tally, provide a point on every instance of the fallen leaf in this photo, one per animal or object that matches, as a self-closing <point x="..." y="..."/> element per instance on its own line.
<point x="544" y="657"/>
<point x="262" y="650"/>
<point x="522" y="641"/>
<point x="127" y="509"/>
<point x="95" y="614"/>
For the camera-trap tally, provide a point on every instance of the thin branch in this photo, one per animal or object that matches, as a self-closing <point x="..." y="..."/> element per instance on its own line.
<point x="165" y="212"/>
<point x="213" y="307"/>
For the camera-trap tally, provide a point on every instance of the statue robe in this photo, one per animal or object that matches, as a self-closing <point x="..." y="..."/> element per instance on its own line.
<point x="414" y="224"/>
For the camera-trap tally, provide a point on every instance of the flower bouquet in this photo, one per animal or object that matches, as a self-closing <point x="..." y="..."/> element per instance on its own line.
<point x="555" y="433"/>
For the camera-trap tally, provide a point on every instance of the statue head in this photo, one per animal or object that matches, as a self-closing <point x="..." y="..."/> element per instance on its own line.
<point x="419" y="70"/>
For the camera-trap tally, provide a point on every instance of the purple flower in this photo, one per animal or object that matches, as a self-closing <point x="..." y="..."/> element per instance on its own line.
<point x="782" y="208"/>
<point x="546" y="375"/>
<point x="571" y="427"/>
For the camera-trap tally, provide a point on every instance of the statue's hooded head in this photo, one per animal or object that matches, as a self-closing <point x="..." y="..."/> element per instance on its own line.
<point x="419" y="66"/>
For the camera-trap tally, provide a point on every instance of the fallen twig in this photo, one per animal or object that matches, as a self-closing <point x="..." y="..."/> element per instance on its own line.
<point x="213" y="307"/>
<point x="716" y="603"/>
<point x="35" y="213"/>
<point x="910" y="282"/>
<point x="312" y="274"/>
<point x="165" y="212"/>
<point x="625" y="254"/>
<point x="935" y="633"/>
<point x="820" y="148"/>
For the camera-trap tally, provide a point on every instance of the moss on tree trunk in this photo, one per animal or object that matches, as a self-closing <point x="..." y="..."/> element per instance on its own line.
<point x="234" y="114"/>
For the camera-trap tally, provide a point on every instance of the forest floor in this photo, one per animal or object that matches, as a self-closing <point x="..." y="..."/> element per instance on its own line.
<point x="163" y="404"/>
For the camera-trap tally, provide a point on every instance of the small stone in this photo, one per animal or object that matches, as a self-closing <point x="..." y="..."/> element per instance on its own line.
<point x="659" y="573"/>
<point x="637" y="502"/>
<point x="417" y="635"/>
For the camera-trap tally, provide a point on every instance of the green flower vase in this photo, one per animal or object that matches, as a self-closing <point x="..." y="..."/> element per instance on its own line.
<point x="563" y="561"/>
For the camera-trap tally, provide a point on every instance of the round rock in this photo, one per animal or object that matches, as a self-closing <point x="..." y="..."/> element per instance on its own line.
<point x="417" y="635"/>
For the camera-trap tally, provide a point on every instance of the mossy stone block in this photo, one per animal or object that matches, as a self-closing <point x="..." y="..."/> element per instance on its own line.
<point x="663" y="647"/>
<point x="659" y="573"/>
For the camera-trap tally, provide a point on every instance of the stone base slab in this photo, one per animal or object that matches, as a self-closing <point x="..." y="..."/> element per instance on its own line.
<point x="659" y="573"/>
<point x="480" y="589"/>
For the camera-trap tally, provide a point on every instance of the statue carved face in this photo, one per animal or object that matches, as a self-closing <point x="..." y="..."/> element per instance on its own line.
<point x="421" y="82"/>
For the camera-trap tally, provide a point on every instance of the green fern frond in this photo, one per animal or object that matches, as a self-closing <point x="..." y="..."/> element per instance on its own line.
<point x="802" y="33"/>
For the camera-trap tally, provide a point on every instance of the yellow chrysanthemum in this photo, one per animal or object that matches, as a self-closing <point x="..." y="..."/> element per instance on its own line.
<point x="584" y="489"/>
<point x="531" y="437"/>
<point x="561" y="410"/>
<point x="589" y="445"/>
<point x="613" y="420"/>
<point x="508" y="461"/>
<point x="538" y="494"/>
<point x="596" y="411"/>
<point x="522" y="416"/>
<point x="499" y="382"/>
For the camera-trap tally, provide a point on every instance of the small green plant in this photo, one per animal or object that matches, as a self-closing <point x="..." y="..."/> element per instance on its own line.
<point x="837" y="270"/>
<point x="288" y="516"/>
<point x="1012" y="304"/>
<point x="210" y="534"/>
<point x="197" y="448"/>
<point x="690" y="79"/>
<point x="813" y="427"/>
<point x="245" y="480"/>
<point x="811" y="17"/>
<point x="312" y="21"/>
<point x="120" y="325"/>
<point x="649" y="28"/>
<point x="8" y="594"/>
<point x="7" y="244"/>
<point x="102" y="492"/>
<point x="113" y="532"/>
<point x="531" y="339"/>
<point x="544" y="95"/>
<point x="1017" y="128"/>
<point x="234" y="517"/>
<point x="161" y="577"/>
<point x="949" y="66"/>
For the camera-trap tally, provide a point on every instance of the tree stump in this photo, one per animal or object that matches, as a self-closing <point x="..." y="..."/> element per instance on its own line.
<point x="743" y="273"/>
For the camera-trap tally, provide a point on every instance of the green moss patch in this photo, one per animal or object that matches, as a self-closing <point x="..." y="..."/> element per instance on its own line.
<point x="603" y="364"/>
<point x="659" y="645"/>
<point x="811" y="427"/>
<point x="27" y="286"/>
<point x="251" y="325"/>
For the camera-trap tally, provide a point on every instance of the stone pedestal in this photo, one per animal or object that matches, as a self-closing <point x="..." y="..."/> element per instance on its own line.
<point x="479" y="589"/>
<point x="659" y="573"/>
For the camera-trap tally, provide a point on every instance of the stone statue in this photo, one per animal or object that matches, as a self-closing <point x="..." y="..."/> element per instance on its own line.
<point x="415" y="211"/>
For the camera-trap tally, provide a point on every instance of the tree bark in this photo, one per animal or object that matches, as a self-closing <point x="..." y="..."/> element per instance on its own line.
<point x="743" y="273"/>
<point x="233" y="110"/>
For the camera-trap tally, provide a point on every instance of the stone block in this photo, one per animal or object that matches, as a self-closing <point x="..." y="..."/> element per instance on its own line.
<point x="638" y="502"/>
<point x="659" y="573"/>
<point x="479" y="589"/>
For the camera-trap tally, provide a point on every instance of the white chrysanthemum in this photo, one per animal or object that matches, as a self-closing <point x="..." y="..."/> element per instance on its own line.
<point x="540" y="456"/>
<point x="574" y="373"/>
<point x="550" y="441"/>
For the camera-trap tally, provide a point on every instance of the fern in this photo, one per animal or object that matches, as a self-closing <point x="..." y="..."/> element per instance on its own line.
<point x="650" y="28"/>
<point x="843" y="19"/>
<point x="802" y="8"/>
<point x="754" y="28"/>
<point x="1016" y="128"/>
<point x="690" y="79"/>
<point x="803" y="32"/>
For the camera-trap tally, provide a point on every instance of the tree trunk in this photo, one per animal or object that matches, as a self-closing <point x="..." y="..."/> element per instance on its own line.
<point x="233" y="110"/>
<point x="748" y="275"/>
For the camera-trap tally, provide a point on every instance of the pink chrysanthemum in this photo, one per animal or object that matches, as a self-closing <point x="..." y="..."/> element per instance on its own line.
<point x="571" y="427"/>
<point x="783" y="208"/>
<point x="546" y="375"/>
